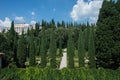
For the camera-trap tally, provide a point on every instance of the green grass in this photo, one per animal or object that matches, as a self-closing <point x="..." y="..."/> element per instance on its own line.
<point x="36" y="73"/>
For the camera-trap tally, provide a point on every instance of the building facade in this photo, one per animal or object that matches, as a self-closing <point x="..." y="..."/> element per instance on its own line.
<point x="19" y="27"/>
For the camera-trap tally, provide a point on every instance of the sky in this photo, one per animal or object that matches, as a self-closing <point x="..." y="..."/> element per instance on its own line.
<point x="32" y="11"/>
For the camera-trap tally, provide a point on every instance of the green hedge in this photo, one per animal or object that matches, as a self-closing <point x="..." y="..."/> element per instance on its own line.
<point x="34" y="73"/>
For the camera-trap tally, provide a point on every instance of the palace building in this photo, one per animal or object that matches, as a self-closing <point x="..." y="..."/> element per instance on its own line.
<point x="19" y="27"/>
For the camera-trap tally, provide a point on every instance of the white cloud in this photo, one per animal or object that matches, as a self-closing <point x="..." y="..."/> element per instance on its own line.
<point x="5" y="23"/>
<point x="33" y="13"/>
<point x="86" y="10"/>
<point x="19" y="18"/>
<point x="33" y="22"/>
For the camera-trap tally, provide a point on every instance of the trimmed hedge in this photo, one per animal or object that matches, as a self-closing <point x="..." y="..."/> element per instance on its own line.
<point x="35" y="73"/>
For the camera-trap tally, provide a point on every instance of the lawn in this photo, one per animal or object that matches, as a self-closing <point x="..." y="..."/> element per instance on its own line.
<point x="36" y="73"/>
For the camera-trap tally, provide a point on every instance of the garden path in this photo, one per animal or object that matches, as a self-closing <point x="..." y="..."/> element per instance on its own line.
<point x="63" y="63"/>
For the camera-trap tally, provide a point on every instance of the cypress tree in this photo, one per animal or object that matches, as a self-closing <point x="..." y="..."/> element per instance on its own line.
<point x="12" y="31"/>
<point x="21" y="52"/>
<point x="91" y="49"/>
<point x="58" y="24"/>
<point x="86" y="37"/>
<point x="39" y="47"/>
<point x="28" y="49"/>
<point x="36" y="44"/>
<point x="70" y="51"/>
<point x="43" y="51"/>
<point x="53" y="24"/>
<point x="81" y="50"/>
<point x="63" y="24"/>
<point x="15" y="47"/>
<point x="28" y="41"/>
<point x="32" y="52"/>
<point x="44" y="25"/>
<point x="11" y="35"/>
<point x="60" y="47"/>
<point x="28" y="32"/>
<point x="52" y="50"/>
<point x="37" y="26"/>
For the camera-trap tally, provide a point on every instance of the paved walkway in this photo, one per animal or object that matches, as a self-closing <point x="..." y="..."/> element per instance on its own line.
<point x="63" y="63"/>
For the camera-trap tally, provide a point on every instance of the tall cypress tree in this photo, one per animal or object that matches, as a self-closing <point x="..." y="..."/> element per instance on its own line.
<point x="63" y="24"/>
<point x="53" y="24"/>
<point x="70" y="51"/>
<point x="91" y="49"/>
<point x="44" y="25"/>
<point x="21" y="52"/>
<point x="11" y="36"/>
<point x="58" y="24"/>
<point x="32" y="52"/>
<point x="36" y="44"/>
<point x="12" y="30"/>
<point x="81" y="49"/>
<point x="60" y="47"/>
<point x="37" y="27"/>
<point x="15" y="47"/>
<point x="39" y="46"/>
<point x="43" y="51"/>
<point x="28" y="41"/>
<point x="52" y="50"/>
<point x="86" y="37"/>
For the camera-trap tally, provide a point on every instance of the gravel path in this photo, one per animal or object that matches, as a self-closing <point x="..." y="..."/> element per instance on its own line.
<point x="63" y="63"/>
